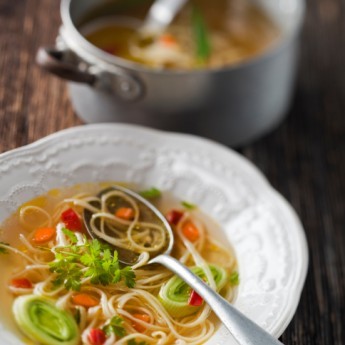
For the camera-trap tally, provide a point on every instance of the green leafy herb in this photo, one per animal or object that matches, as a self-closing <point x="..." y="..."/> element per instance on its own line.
<point x="203" y="47"/>
<point x="3" y="250"/>
<point x="133" y="342"/>
<point x="151" y="193"/>
<point x="92" y="260"/>
<point x="68" y="271"/>
<point x="128" y="274"/>
<point x="71" y="235"/>
<point x="188" y="205"/>
<point x="234" y="278"/>
<point x="115" y="326"/>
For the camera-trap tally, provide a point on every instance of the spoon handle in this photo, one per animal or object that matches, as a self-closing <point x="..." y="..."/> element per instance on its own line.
<point x="245" y="331"/>
<point x="161" y="14"/>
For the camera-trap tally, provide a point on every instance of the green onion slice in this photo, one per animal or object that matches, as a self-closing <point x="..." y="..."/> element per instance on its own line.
<point x="42" y="321"/>
<point x="151" y="193"/>
<point x="188" y="205"/>
<point x="201" y="36"/>
<point x="174" y="295"/>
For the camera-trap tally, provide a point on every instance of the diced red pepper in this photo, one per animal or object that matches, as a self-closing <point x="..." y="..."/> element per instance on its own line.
<point x="71" y="220"/>
<point x="174" y="216"/>
<point x="21" y="283"/>
<point x="195" y="299"/>
<point x="97" y="336"/>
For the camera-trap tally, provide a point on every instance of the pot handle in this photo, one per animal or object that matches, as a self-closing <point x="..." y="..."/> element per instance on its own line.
<point x="127" y="87"/>
<point x="52" y="60"/>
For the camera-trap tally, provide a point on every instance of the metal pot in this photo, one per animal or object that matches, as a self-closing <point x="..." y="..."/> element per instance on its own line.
<point x="234" y="105"/>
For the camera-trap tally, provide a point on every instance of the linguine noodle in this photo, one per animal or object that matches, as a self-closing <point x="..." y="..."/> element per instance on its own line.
<point x="141" y="235"/>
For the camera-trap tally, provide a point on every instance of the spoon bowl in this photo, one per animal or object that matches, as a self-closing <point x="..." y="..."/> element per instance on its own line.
<point x="126" y="256"/>
<point x="160" y="15"/>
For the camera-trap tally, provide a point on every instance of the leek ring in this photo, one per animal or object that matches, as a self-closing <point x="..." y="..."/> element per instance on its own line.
<point x="175" y="293"/>
<point x="42" y="321"/>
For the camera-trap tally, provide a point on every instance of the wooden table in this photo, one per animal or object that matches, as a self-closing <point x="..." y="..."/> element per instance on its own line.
<point x="304" y="158"/>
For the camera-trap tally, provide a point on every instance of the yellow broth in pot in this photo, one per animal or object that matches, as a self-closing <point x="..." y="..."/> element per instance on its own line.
<point x="203" y="35"/>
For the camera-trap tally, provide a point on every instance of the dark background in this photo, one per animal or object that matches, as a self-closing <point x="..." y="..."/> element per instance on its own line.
<point x="304" y="158"/>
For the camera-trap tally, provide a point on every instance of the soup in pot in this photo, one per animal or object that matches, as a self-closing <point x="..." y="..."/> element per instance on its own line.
<point x="203" y="35"/>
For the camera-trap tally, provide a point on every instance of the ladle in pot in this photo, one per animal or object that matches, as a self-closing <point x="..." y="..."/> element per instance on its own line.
<point x="245" y="331"/>
<point x="160" y="15"/>
<point x="158" y="18"/>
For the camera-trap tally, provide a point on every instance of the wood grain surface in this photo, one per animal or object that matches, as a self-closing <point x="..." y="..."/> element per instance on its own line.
<point x="304" y="158"/>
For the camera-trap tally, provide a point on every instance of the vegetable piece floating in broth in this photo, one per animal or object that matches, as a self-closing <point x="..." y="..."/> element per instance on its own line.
<point x="195" y="299"/>
<point x="71" y="220"/>
<point x="91" y="260"/>
<point x="21" y="283"/>
<point x="174" y="216"/>
<point x="115" y="326"/>
<point x="97" y="336"/>
<point x="69" y="289"/>
<point x="43" y="235"/>
<point x="201" y="36"/>
<point x="42" y="321"/>
<point x="176" y="295"/>
<point x="151" y="193"/>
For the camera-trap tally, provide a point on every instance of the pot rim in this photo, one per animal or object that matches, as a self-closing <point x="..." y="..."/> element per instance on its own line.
<point x="94" y="55"/>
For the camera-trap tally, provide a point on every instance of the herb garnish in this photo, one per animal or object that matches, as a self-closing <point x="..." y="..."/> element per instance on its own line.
<point x="93" y="259"/>
<point x="151" y="193"/>
<point x="133" y="342"/>
<point x="68" y="271"/>
<point x="2" y="249"/>
<point x="188" y="205"/>
<point x="115" y="326"/>
<point x="234" y="278"/>
<point x="201" y="36"/>
<point x="71" y="235"/>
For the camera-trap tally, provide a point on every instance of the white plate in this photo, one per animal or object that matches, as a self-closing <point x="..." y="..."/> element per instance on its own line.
<point x="267" y="236"/>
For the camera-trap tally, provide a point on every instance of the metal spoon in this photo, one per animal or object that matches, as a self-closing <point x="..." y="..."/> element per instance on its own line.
<point x="158" y="18"/>
<point x="245" y="331"/>
<point x="160" y="15"/>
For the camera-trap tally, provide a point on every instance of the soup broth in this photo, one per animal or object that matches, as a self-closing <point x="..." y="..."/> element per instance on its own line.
<point x="203" y="35"/>
<point x="133" y="307"/>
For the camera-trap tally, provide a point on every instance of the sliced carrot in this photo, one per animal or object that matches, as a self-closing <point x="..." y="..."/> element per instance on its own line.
<point x="43" y="235"/>
<point x="137" y="326"/>
<point x="190" y="231"/>
<point x="142" y="317"/>
<point x="126" y="213"/>
<point x="21" y="283"/>
<point x="168" y="40"/>
<point x="84" y="300"/>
